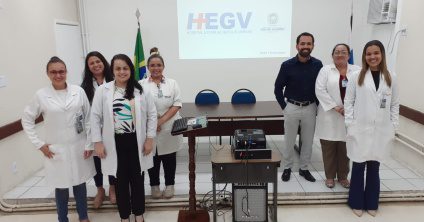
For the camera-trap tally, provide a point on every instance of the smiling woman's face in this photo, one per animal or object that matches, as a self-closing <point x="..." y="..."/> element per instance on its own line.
<point x="122" y="71"/>
<point x="373" y="57"/>
<point x="57" y="74"/>
<point x="96" y="66"/>
<point x="340" y="55"/>
<point x="156" y="68"/>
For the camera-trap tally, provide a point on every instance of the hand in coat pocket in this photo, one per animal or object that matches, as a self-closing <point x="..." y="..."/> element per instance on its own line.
<point x="46" y="151"/>
<point x="57" y="151"/>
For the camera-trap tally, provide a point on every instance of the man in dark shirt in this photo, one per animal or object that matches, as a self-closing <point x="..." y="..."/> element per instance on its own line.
<point x="295" y="92"/>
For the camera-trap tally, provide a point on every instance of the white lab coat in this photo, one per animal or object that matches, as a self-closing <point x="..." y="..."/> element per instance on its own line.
<point x="68" y="167"/>
<point x="102" y="125"/>
<point x="330" y="124"/>
<point x="165" y="143"/>
<point x="370" y="129"/>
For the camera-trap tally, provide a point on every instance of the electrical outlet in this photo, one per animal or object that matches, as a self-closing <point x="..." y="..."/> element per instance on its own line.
<point x="14" y="167"/>
<point x="403" y="31"/>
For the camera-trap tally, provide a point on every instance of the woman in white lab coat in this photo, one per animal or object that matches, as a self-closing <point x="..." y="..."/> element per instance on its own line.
<point x="123" y="127"/>
<point x="97" y="72"/>
<point x="166" y="94"/>
<point x="66" y="145"/>
<point x="371" y="117"/>
<point x="330" y="89"/>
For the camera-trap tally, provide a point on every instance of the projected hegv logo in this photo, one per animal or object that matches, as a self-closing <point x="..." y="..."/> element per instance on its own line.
<point x="212" y="21"/>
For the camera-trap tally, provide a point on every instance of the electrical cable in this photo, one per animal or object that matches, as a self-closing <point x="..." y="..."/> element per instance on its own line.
<point x="206" y="204"/>
<point x="246" y="158"/>
<point x="394" y="40"/>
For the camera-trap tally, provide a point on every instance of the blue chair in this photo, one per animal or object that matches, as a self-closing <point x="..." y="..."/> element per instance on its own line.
<point x="243" y="96"/>
<point x="206" y="97"/>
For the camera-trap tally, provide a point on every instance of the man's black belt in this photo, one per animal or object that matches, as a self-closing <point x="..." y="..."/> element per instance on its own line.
<point x="300" y="103"/>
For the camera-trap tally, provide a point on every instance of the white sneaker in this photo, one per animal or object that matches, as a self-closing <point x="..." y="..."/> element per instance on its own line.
<point x="168" y="192"/>
<point x="156" y="194"/>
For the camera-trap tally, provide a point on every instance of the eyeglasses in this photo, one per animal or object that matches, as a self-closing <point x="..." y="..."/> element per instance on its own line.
<point x="57" y="72"/>
<point x="340" y="53"/>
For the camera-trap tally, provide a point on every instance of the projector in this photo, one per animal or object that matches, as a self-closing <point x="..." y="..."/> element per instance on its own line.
<point x="249" y="139"/>
<point x="250" y="144"/>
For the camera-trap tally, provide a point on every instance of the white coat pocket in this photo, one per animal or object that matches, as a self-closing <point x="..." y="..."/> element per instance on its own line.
<point x="58" y="151"/>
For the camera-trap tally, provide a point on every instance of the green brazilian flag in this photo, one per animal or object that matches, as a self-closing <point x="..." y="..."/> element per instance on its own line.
<point x="139" y="62"/>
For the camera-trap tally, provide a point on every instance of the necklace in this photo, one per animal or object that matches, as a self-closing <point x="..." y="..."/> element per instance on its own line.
<point x="119" y="90"/>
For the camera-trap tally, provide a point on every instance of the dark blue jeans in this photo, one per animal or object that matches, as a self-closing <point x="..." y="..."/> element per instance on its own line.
<point x="62" y="198"/>
<point x="360" y="198"/>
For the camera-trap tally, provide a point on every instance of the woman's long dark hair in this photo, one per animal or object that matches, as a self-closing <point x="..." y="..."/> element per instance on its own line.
<point x="87" y="81"/>
<point x="132" y="83"/>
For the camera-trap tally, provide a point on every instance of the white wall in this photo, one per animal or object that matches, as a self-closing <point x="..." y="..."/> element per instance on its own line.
<point x="364" y="32"/>
<point x="409" y="65"/>
<point x="409" y="59"/>
<point x="328" y="20"/>
<point x="26" y="43"/>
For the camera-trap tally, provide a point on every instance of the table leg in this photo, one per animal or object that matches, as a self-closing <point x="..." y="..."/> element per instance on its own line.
<point x="274" y="195"/>
<point x="214" y="199"/>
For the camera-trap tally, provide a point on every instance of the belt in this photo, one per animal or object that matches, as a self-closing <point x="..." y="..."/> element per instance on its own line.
<point x="300" y="103"/>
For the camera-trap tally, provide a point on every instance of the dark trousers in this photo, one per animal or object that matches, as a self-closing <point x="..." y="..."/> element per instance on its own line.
<point x="98" y="178"/>
<point x="62" y="199"/>
<point x="129" y="179"/>
<point x="336" y="162"/>
<point x="169" y="162"/>
<point x="360" y="198"/>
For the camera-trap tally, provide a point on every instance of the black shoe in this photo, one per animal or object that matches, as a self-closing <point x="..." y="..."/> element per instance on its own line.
<point x="286" y="175"/>
<point x="307" y="175"/>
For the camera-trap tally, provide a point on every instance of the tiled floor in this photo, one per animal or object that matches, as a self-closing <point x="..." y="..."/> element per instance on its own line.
<point x="395" y="176"/>
<point x="388" y="212"/>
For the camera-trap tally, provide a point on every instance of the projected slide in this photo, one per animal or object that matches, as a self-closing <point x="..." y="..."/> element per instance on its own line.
<point x="221" y="29"/>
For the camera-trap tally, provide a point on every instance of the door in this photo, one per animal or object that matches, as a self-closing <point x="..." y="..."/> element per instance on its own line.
<point x="70" y="49"/>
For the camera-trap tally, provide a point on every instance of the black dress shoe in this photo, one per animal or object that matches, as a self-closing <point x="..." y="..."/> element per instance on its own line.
<point x="286" y="175"/>
<point x="307" y="175"/>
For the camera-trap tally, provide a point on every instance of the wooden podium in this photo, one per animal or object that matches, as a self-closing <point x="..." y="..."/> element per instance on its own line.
<point x="192" y="214"/>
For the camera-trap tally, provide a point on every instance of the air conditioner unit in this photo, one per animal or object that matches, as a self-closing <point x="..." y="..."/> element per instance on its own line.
<point x="382" y="11"/>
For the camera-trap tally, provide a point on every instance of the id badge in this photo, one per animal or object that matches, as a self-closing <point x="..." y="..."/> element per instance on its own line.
<point x="79" y="119"/>
<point x="383" y="102"/>
<point x="160" y="94"/>
<point x="344" y="83"/>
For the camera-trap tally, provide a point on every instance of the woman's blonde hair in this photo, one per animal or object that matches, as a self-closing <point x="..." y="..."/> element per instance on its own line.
<point x="382" y="66"/>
